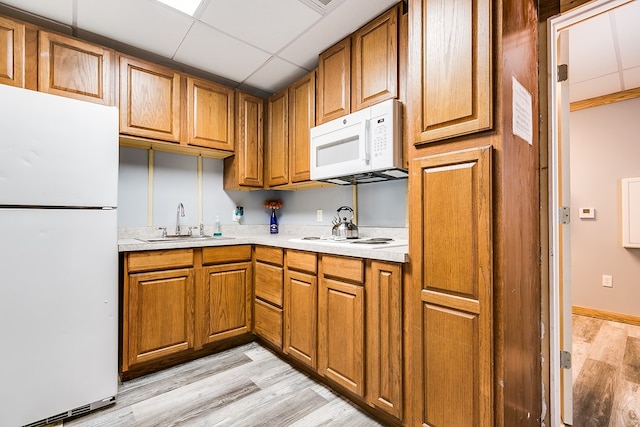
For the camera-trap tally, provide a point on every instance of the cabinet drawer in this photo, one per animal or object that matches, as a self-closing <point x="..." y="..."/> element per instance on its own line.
<point x="343" y="267"/>
<point x="226" y="254"/>
<point x="268" y="322"/>
<point x="304" y="261"/>
<point x="269" y="255"/>
<point x="159" y="260"/>
<point x="268" y="283"/>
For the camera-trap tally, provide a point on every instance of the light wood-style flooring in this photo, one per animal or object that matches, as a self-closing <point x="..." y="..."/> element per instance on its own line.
<point x="244" y="386"/>
<point x="606" y="373"/>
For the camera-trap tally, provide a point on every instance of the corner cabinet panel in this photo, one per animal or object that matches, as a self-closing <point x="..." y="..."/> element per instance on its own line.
<point x="333" y="97"/>
<point x="160" y="314"/>
<point x="375" y="61"/>
<point x="300" y="321"/>
<point x="452" y="69"/>
<point x="277" y="139"/>
<point x="244" y="170"/>
<point x="149" y="100"/>
<point x="210" y="114"/>
<point x="227" y="305"/>
<point x="75" y="69"/>
<point x="455" y="280"/>
<point x="12" y="53"/>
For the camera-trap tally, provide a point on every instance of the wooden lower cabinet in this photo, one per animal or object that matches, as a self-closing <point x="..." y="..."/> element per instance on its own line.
<point x="268" y="290"/>
<point x="301" y="307"/>
<point x="158" y="306"/>
<point x="341" y="324"/>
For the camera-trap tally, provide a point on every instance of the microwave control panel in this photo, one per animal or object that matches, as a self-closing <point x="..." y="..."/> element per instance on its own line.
<point x="380" y="132"/>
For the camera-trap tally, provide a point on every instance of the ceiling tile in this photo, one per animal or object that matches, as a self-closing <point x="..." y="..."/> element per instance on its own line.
<point x="259" y="22"/>
<point x="632" y="78"/>
<point x="145" y="24"/>
<point x="628" y="26"/>
<point x="275" y="75"/>
<point x="333" y="27"/>
<point x="212" y="51"/>
<point x="588" y="40"/>
<point x="595" y="87"/>
<point x="57" y="10"/>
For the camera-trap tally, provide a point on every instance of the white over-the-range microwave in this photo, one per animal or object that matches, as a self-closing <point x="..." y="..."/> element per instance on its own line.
<point x="365" y="146"/>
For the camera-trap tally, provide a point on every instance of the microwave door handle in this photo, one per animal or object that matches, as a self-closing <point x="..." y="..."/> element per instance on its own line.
<point x="364" y="145"/>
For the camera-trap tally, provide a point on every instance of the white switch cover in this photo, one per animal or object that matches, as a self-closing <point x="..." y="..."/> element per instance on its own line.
<point x="607" y="281"/>
<point x="319" y="215"/>
<point x="587" y="213"/>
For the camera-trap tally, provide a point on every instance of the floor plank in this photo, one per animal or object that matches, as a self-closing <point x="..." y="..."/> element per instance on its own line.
<point x="594" y="392"/>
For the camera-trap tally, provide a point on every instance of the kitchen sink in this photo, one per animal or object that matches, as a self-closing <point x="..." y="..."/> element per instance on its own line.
<point x="184" y="239"/>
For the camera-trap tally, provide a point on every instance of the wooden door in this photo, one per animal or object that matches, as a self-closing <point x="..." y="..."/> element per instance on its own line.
<point x="159" y="314"/>
<point x="450" y="68"/>
<point x="210" y="114"/>
<point x="277" y="139"/>
<point x="333" y="97"/>
<point x="244" y="169"/>
<point x="384" y="337"/>
<point x="75" y="69"/>
<point x="341" y="334"/>
<point x="150" y="97"/>
<point x="12" y="53"/>
<point x="375" y="61"/>
<point x="452" y="294"/>
<point x="227" y="300"/>
<point x="300" y="316"/>
<point x="302" y="117"/>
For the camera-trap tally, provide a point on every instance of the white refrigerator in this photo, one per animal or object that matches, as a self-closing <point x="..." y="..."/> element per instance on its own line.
<point x="58" y="256"/>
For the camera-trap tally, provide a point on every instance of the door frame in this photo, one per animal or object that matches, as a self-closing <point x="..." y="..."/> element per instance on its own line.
<point x="555" y="26"/>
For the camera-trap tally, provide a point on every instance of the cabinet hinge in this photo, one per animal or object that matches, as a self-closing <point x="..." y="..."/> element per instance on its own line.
<point x="565" y="215"/>
<point x="565" y="359"/>
<point x="563" y="72"/>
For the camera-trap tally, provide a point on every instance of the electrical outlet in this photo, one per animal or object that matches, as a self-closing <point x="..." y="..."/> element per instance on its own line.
<point x="607" y="281"/>
<point x="319" y="215"/>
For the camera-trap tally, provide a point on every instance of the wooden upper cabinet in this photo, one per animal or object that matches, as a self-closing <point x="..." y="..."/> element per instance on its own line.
<point x="333" y="97"/>
<point x="150" y="97"/>
<point x="375" y="61"/>
<point x="277" y="144"/>
<point x="302" y="117"/>
<point x="75" y="69"/>
<point x="450" y="79"/>
<point x="244" y="170"/>
<point x="12" y="52"/>
<point x="210" y="114"/>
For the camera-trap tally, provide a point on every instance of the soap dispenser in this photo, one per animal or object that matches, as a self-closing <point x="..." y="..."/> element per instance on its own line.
<point x="217" y="231"/>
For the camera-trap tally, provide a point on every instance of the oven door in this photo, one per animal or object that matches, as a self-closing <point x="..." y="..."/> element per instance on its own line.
<point x="340" y="147"/>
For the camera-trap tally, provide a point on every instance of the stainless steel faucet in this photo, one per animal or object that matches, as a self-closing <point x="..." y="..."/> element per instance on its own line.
<point x="179" y="214"/>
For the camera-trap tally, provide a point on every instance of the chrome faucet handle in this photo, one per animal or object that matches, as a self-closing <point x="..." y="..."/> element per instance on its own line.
<point x="201" y="230"/>
<point x="164" y="231"/>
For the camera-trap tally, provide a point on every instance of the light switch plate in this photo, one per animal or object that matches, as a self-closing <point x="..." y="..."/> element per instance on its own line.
<point x="587" y="213"/>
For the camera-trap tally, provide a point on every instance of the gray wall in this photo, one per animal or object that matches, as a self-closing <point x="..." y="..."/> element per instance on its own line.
<point x="605" y="147"/>
<point x="149" y="193"/>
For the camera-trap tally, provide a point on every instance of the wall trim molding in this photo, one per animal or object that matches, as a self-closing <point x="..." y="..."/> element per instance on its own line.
<point x="605" y="99"/>
<point x="606" y="315"/>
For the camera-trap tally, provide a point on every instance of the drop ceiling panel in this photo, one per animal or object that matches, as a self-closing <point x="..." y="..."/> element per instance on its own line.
<point x="259" y="22"/>
<point x="632" y="78"/>
<point x="586" y="40"/>
<point x="212" y="51"/>
<point x="57" y="10"/>
<point x="627" y="21"/>
<point x="145" y="24"/>
<point x="595" y="87"/>
<point x="341" y="21"/>
<point x="275" y="74"/>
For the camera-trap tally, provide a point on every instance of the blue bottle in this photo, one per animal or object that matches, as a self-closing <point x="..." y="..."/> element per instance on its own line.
<point x="273" y="227"/>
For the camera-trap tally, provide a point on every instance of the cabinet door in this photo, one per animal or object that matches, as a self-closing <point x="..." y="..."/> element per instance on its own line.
<point x="341" y="334"/>
<point x="300" y="316"/>
<point x="375" y="61"/>
<point x="210" y="114"/>
<point x="12" y="53"/>
<point x="149" y="100"/>
<point x="244" y="169"/>
<point x="384" y="337"/>
<point x="453" y="279"/>
<point x="159" y="314"/>
<point x="333" y="98"/>
<point x="268" y="322"/>
<point x="450" y="68"/>
<point x="76" y="69"/>
<point x="227" y="301"/>
<point x="268" y="284"/>
<point x="277" y="144"/>
<point x="302" y="117"/>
